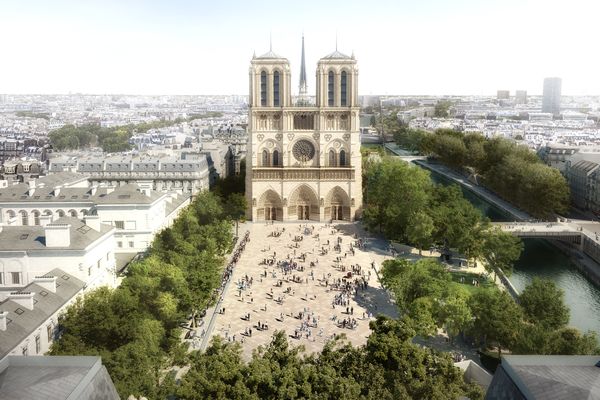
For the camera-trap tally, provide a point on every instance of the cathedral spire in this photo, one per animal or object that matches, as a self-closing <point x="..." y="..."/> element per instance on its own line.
<point x="303" y="88"/>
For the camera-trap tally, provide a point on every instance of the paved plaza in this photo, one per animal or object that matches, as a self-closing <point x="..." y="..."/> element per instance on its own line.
<point x="311" y="280"/>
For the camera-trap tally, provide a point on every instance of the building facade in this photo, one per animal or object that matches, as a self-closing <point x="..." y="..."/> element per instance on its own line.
<point x="552" y="95"/>
<point x="303" y="161"/>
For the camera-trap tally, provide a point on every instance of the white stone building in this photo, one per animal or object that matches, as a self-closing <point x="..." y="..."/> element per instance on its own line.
<point x="303" y="161"/>
<point x="84" y="249"/>
<point x="137" y="213"/>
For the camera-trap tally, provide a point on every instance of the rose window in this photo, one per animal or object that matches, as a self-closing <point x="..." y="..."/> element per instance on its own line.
<point x="303" y="150"/>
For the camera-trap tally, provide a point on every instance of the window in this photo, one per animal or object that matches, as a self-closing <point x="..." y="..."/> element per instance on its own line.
<point x="276" y="88"/>
<point x="342" y="158"/>
<point x="98" y="263"/>
<point x="330" y="89"/>
<point x="1" y="278"/>
<point x="49" y="332"/>
<point x="73" y="213"/>
<point x="119" y="244"/>
<point x="24" y="218"/>
<point x="60" y="213"/>
<point x="25" y="350"/>
<point x="16" y="278"/>
<point x="36" y="217"/>
<point x="38" y="345"/>
<point x="120" y="224"/>
<point x="343" y="87"/>
<point x="275" y="158"/>
<point x="265" y="158"/>
<point x="331" y="158"/>
<point x="131" y="244"/>
<point x="263" y="88"/>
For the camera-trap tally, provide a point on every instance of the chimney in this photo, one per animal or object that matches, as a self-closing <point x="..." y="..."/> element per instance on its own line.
<point x="58" y="235"/>
<point x="24" y="299"/>
<point x="93" y="221"/>
<point x="45" y="219"/>
<point x="47" y="282"/>
<point x="3" y="320"/>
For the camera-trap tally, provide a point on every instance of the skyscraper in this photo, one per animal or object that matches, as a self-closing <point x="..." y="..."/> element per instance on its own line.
<point x="552" y="95"/>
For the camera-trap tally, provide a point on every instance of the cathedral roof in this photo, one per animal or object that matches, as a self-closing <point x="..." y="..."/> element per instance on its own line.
<point x="336" y="55"/>
<point x="270" y="54"/>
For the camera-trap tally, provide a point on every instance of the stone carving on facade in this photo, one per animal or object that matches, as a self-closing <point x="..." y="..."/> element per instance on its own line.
<point x="290" y="136"/>
<point x="279" y="136"/>
<point x="346" y="136"/>
<point x="260" y="137"/>
<point x="328" y="137"/>
<point x="316" y="136"/>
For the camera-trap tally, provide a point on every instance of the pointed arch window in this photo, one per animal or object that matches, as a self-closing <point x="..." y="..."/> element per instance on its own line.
<point x="342" y="158"/>
<point x="331" y="158"/>
<point x="263" y="88"/>
<point x="276" y="101"/>
<point x="265" y="158"/>
<point x="344" y="89"/>
<point x="330" y="89"/>
<point x="275" y="158"/>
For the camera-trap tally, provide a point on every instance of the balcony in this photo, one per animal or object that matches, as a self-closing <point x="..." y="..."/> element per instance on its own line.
<point x="303" y="174"/>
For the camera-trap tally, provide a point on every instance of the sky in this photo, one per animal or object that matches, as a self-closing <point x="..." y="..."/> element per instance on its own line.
<point x="199" y="47"/>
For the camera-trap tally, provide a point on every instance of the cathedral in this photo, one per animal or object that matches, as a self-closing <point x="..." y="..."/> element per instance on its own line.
<point x="303" y="154"/>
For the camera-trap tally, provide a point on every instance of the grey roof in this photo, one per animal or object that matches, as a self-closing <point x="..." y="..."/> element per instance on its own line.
<point x="129" y="193"/>
<point x="60" y="178"/>
<point x="336" y="55"/>
<point x="175" y="202"/>
<point x="32" y="237"/>
<point x="55" y="378"/>
<point x="271" y="55"/>
<point x="22" y="324"/>
<point x="548" y="377"/>
<point x="585" y="166"/>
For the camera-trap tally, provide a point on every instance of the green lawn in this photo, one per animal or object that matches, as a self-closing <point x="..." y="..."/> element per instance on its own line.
<point x="468" y="281"/>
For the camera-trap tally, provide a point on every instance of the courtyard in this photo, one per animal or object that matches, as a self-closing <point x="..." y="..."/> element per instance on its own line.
<point x="312" y="280"/>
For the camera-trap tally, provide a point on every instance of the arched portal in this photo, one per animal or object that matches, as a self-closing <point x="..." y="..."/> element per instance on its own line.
<point x="303" y="204"/>
<point x="270" y="207"/>
<point x="337" y="205"/>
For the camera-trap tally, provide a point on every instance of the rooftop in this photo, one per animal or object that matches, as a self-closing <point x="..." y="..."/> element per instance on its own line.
<point x="33" y="237"/>
<point x="55" y="378"/>
<point x="21" y="322"/>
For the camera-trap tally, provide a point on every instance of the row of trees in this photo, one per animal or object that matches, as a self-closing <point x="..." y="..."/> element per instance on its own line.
<point x="536" y="324"/>
<point x="111" y="140"/>
<point x="404" y="204"/>
<point x="136" y="327"/>
<point x="511" y="170"/>
<point x="389" y="366"/>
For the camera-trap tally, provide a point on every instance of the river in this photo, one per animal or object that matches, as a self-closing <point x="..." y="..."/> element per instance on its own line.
<point x="542" y="259"/>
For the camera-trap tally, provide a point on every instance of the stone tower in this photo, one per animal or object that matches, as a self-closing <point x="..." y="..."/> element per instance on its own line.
<point x="303" y="160"/>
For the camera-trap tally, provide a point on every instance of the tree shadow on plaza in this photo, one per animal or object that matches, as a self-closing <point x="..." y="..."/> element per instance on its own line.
<point x="375" y="300"/>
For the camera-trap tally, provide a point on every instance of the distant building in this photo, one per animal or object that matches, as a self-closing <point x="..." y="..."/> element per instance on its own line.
<point x="55" y="378"/>
<point x="556" y="155"/>
<point x="17" y="171"/>
<point x="503" y="95"/>
<point x="521" y="97"/>
<point x="189" y="173"/>
<point x="546" y="377"/>
<point x="582" y="171"/>
<point x="552" y="96"/>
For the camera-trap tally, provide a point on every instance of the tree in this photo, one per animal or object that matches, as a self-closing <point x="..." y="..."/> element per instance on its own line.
<point x="497" y="318"/>
<point x="419" y="230"/>
<point x="394" y="192"/>
<point x="501" y="250"/>
<point x="454" y="312"/>
<point x="441" y="109"/>
<point x="543" y="303"/>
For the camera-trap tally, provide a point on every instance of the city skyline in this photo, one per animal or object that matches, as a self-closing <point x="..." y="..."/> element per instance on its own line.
<point x="180" y="47"/>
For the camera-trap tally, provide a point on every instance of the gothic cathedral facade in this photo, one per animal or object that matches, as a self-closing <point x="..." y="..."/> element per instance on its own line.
<point x="303" y="160"/>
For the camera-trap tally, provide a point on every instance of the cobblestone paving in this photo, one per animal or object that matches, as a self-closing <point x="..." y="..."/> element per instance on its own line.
<point x="274" y="299"/>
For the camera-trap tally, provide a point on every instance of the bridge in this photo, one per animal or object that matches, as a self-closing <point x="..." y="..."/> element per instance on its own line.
<point x="570" y="231"/>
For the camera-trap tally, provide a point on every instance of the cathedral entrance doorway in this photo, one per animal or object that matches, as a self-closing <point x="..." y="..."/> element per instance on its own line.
<point x="303" y="204"/>
<point x="270" y="207"/>
<point x="337" y="205"/>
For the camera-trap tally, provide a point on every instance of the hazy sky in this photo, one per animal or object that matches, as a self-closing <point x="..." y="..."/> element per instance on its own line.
<point x="204" y="47"/>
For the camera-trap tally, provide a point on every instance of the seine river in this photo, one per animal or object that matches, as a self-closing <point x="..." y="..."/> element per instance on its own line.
<point x="541" y="259"/>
